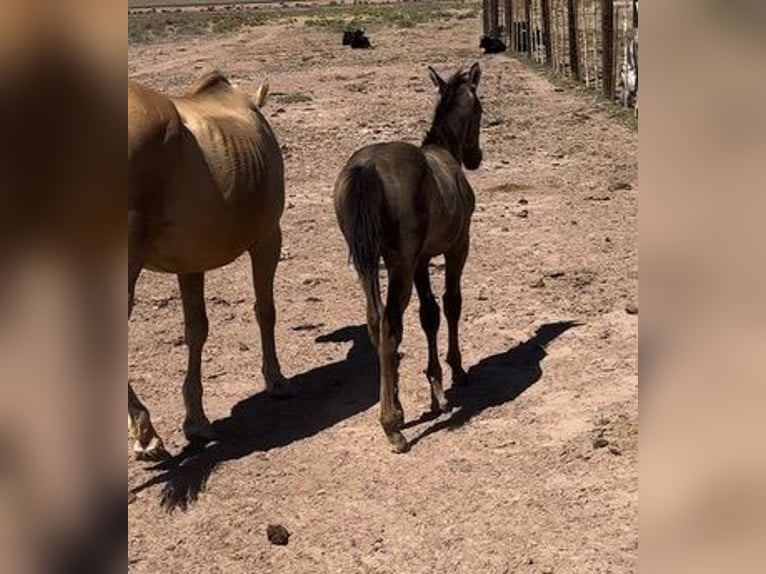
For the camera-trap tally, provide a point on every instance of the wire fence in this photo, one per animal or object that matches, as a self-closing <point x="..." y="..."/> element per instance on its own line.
<point x="591" y="41"/>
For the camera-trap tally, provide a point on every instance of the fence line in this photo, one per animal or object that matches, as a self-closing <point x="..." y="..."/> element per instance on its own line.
<point x="587" y="40"/>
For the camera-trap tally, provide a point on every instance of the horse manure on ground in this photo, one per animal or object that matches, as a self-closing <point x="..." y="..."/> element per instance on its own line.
<point x="277" y="534"/>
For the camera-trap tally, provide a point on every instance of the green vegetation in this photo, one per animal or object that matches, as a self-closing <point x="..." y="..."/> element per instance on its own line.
<point x="400" y="15"/>
<point x="157" y="24"/>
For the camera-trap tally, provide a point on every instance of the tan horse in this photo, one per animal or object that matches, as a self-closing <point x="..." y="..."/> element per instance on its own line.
<point x="409" y="204"/>
<point x="206" y="184"/>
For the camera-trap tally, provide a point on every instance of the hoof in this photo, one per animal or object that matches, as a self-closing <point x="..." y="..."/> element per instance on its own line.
<point x="153" y="452"/>
<point x="199" y="433"/>
<point x="399" y="444"/>
<point x="441" y="407"/>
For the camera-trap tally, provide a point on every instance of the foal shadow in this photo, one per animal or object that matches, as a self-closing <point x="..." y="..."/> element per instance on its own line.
<point x="322" y="397"/>
<point x="496" y="380"/>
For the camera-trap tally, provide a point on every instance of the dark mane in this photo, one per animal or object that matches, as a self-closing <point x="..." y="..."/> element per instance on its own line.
<point x="446" y="101"/>
<point x="210" y="81"/>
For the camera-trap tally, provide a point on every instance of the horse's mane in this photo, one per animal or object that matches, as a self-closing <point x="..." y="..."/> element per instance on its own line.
<point x="445" y="103"/>
<point x="210" y="82"/>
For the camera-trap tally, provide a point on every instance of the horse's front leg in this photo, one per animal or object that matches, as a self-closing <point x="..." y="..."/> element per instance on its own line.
<point x="146" y="443"/>
<point x="265" y="258"/>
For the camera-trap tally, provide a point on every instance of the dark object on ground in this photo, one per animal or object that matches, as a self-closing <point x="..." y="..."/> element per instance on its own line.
<point x="492" y="45"/>
<point x="357" y="39"/>
<point x="277" y="534"/>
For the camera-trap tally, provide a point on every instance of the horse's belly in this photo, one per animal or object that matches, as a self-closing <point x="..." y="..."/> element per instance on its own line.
<point x="204" y="240"/>
<point x="174" y="252"/>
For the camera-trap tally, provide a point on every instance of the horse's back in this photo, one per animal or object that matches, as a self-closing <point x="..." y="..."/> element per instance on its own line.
<point x="401" y="168"/>
<point x="237" y="144"/>
<point x="426" y="196"/>
<point x="220" y="170"/>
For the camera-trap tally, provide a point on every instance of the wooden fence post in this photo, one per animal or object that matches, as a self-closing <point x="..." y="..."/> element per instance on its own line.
<point x="635" y="13"/>
<point x="574" y="56"/>
<point x="493" y="18"/>
<point x="607" y="47"/>
<point x="528" y="16"/>
<point x="546" y="5"/>
<point x="509" y="24"/>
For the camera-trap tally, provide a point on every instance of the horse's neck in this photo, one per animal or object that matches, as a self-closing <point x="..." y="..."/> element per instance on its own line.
<point x="443" y="137"/>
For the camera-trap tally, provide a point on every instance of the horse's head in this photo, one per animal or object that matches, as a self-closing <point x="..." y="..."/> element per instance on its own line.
<point x="458" y="114"/>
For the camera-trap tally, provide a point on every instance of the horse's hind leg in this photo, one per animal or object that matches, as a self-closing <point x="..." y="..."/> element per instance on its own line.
<point x="371" y="287"/>
<point x="265" y="257"/>
<point x="196" y="424"/>
<point x="453" y="306"/>
<point x="429" y="320"/>
<point x="146" y="443"/>
<point x="391" y="331"/>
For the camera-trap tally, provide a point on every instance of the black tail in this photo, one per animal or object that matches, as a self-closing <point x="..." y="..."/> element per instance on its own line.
<point x="363" y="201"/>
<point x="359" y="205"/>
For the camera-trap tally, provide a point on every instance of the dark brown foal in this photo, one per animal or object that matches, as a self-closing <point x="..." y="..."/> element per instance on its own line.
<point x="408" y="204"/>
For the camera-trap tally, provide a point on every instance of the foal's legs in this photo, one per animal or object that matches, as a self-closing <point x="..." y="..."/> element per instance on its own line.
<point x="453" y="306"/>
<point x="429" y="320"/>
<point x="196" y="425"/>
<point x="265" y="257"/>
<point x="391" y="330"/>
<point x="146" y="443"/>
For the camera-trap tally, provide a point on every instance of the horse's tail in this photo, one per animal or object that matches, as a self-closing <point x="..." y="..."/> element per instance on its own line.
<point x="359" y="201"/>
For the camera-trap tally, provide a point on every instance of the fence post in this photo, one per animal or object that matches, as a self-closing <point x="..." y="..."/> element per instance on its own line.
<point x="607" y="48"/>
<point x="509" y="23"/>
<point x="528" y="16"/>
<point x="493" y="18"/>
<point x="546" y="5"/>
<point x="635" y="13"/>
<point x="574" y="56"/>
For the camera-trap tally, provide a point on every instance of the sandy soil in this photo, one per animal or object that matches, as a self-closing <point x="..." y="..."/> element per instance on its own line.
<point x="537" y="471"/>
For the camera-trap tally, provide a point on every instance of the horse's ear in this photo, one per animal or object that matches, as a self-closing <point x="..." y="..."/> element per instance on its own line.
<point x="437" y="80"/>
<point x="260" y="95"/>
<point x="474" y="75"/>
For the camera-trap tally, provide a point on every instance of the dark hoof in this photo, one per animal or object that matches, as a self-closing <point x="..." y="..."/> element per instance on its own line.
<point x="442" y="408"/>
<point x="197" y="441"/>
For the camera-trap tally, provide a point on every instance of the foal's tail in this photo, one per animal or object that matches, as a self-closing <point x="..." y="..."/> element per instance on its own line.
<point x="359" y="200"/>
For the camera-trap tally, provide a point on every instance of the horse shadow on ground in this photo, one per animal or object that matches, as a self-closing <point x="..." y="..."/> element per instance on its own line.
<point x="321" y="398"/>
<point x="496" y="380"/>
<point x="329" y="394"/>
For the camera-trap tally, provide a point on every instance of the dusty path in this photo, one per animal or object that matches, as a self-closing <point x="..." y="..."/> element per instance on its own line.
<point x="513" y="482"/>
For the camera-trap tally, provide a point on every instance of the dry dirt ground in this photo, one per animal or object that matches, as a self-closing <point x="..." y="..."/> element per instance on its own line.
<point x="537" y="469"/>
